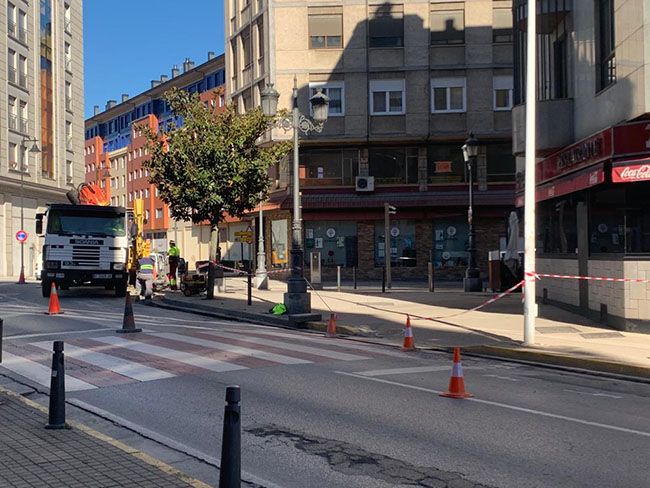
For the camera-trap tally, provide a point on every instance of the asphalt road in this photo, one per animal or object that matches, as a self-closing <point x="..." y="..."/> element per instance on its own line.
<point x="322" y="412"/>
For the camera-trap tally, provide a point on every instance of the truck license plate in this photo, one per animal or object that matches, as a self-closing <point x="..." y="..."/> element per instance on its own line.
<point x="100" y="276"/>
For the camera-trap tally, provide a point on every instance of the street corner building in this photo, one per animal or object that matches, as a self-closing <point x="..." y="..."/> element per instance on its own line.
<point x="41" y="119"/>
<point x="593" y="155"/>
<point x="116" y="149"/>
<point x="407" y="83"/>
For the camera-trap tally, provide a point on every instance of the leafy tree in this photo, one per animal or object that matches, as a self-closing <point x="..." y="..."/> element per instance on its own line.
<point x="212" y="165"/>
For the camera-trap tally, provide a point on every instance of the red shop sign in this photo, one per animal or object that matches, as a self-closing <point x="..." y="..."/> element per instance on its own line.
<point x="632" y="138"/>
<point x="631" y="171"/>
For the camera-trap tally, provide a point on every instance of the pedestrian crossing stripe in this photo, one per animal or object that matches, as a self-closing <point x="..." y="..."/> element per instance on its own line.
<point x="99" y="361"/>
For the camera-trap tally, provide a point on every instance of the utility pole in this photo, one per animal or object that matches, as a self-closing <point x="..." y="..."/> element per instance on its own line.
<point x="388" y="211"/>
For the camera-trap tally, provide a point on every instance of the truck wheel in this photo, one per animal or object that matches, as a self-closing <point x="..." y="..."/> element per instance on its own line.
<point x="46" y="287"/>
<point x="120" y="289"/>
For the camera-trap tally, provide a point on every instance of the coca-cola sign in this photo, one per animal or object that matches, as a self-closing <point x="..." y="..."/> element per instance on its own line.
<point x="626" y="172"/>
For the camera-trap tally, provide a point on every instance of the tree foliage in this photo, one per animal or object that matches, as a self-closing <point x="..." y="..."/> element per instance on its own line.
<point x="211" y="165"/>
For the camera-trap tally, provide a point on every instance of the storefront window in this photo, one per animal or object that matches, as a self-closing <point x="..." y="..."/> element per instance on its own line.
<point x="279" y="243"/>
<point x="336" y="241"/>
<point x="607" y="221"/>
<point x="557" y="231"/>
<point x="450" y="240"/>
<point x="637" y="218"/>
<point x="402" y="243"/>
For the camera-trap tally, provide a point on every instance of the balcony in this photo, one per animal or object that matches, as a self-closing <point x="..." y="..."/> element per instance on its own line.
<point x="554" y="126"/>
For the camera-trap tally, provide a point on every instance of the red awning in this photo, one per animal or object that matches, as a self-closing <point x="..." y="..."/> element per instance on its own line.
<point x="631" y="170"/>
<point x="595" y="175"/>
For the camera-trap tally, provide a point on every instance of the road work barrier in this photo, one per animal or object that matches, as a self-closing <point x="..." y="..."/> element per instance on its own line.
<point x="456" y="382"/>
<point x="56" y="417"/>
<point x="54" y="306"/>
<point x="128" y="323"/>
<point x="230" y="471"/>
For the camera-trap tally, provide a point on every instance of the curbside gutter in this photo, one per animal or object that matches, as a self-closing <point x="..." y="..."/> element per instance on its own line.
<point x="515" y="353"/>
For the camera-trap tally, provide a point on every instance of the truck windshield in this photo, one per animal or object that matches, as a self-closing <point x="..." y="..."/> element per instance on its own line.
<point x="95" y="225"/>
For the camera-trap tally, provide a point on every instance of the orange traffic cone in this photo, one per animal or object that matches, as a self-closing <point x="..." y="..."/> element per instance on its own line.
<point x="409" y="343"/>
<point x="456" y="382"/>
<point x="54" y="308"/>
<point x="128" y="323"/>
<point x="331" y="326"/>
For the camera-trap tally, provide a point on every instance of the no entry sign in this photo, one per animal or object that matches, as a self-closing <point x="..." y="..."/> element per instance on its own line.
<point x="21" y="236"/>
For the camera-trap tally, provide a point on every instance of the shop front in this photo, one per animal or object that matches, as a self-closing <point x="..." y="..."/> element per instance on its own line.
<point x="593" y="220"/>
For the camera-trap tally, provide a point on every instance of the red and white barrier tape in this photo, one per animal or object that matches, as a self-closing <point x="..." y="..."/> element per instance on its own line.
<point x="589" y="278"/>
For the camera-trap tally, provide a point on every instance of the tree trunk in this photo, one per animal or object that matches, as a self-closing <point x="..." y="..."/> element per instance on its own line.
<point x="214" y="257"/>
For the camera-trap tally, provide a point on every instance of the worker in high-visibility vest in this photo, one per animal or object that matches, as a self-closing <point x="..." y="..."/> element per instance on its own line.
<point x="145" y="277"/>
<point x="174" y="257"/>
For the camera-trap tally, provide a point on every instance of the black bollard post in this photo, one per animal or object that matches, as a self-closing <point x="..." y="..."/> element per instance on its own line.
<point x="230" y="474"/>
<point x="354" y="277"/>
<point x="250" y="287"/>
<point x="383" y="279"/>
<point x="57" y="390"/>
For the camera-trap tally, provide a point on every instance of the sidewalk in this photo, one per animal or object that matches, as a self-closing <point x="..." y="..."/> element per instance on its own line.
<point x="562" y="337"/>
<point x="31" y="456"/>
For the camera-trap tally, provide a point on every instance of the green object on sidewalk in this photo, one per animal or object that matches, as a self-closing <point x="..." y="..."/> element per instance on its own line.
<point x="279" y="309"/>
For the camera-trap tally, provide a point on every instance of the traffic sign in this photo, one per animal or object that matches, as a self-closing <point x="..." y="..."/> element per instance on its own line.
<point x="244" y="233"/>
<point x="21" y="236"/>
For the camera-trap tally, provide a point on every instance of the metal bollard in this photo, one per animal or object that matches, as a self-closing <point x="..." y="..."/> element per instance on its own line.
<point x="338" y="278"/>
<point x="250" y="287"/>
<point x="56" y="418"/>
<point x="230" y="473"/>
<point x="354" y="277"/>
<point x="430" y="273"/>
<point x="383" y="279"/>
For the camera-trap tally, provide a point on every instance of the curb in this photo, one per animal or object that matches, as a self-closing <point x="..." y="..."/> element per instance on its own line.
<point x="142" y="456"/>
<point x="549" y="359"/>
<point x="629" y="371"/>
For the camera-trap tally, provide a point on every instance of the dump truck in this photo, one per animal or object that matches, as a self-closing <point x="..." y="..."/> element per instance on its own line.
<point x="86" y="242"/>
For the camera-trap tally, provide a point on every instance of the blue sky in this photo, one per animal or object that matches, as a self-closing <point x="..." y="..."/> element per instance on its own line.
<point x="128" y="43"/>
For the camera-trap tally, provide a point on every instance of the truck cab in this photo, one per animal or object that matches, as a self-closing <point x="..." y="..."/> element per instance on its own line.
<point x="85" y="245"/>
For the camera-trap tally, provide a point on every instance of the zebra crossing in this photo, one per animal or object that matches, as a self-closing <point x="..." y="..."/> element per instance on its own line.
<point x="99" y="361"/>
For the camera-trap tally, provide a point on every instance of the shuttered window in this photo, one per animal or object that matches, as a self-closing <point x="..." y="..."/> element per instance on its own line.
<point x="326" y="31"/>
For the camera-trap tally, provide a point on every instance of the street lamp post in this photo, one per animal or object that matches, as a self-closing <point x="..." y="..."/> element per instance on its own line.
<point x="297" y="299"/>
<point x="261" y="277"/>
<point x="33" y="149"/>
<point x="472" y="280"/>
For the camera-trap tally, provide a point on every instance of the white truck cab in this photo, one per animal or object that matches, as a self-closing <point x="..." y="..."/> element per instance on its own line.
<point x="85" y="245"/>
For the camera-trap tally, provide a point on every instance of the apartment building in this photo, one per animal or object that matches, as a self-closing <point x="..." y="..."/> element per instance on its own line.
<point x="41" y="100"/>
<point x="593" y="171"/>
<point x="115" y="150"/>
<point x="407" y="81"/>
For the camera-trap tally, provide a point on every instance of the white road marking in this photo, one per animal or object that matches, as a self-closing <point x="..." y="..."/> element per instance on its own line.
<point x="421" y="369"/>
<point x="277" y="358"/>
<point x="608" y="395"/>
<point x="121" y="366"/>
<point x="182" y="357"/>
<point x="45" y="334"/>
<point x="341" y="356"/>
<point x="500" y="377"/>
<point x="39" y="373"/>
<point x="509" y="407"/>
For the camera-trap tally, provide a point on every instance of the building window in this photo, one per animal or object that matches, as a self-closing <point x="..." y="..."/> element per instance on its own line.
<point x="13" y="156"/>
<point x="325" y="31"/>
<point x="147" y="214"/>
<point x="387" y="26"/>
<point x="247" y="48"/>
<point x="68" y="57"/>
<point x="66" y="17"/>
<point x="501" y="164"/>
<point x="68" y="172"/>
<point x="159" y="213"/>
<point x="501" y="25"/>
<point x="448" y="95"/>
<point x="502" y="88"/>
<point x="447" y="23"/>
<point x="606" y="53"/>
<point x="402" y="243"/>
<point x="11" y="19"/>
<point x="387" y="97"/>
<point x="557" y="226"/>
<point x="279" y="243"/>
<point x="22" y="26"/>
<point x="335" y="91"/>
<point x="335" y="241"/>
<point x="393" y="165"/>
<point x="327" y="168"/>
<point x="22" y="80"/>
<point x="446" y="164"/>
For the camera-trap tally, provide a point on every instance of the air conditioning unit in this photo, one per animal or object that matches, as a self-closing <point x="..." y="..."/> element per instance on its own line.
<point x="365" y="183"/>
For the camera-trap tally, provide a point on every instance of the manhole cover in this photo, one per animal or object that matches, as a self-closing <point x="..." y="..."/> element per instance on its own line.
<point x="601" y="335"/>
<point x="557" y="330"/>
